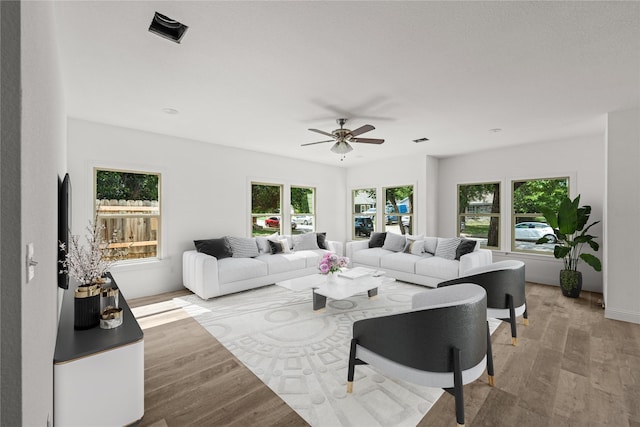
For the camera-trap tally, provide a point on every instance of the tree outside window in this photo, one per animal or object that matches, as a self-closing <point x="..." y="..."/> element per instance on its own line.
<point x="479" y="213"/>
<point x="266" y="202"/>
<point x="398" y="214"/>
<point x="127" y="205"/>
<point x="529" y="225"/>
<point x="303" y="210"/>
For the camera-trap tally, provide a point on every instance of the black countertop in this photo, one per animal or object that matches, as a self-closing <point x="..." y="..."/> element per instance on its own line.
<point x="73" y="344"/>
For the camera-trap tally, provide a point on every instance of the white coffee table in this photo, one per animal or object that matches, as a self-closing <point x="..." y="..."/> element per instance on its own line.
<point x="342" y="288"/>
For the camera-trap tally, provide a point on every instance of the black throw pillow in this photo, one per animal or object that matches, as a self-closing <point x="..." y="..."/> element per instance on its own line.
<point x="322" y="238"/>
<point x="276" y="247"/>
<point x="466" y="246"/>
<point x="218" y="248"/>
<point x="377" y="239"/>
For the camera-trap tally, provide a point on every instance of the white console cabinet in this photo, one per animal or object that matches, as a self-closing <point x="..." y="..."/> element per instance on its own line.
<point x="98" y="373"/>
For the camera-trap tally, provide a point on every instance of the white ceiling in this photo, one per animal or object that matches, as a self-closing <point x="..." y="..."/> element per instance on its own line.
<point x="257" y="75"/>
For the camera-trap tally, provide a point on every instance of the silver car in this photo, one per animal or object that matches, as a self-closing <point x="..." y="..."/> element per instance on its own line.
<point x="532" y="231"/>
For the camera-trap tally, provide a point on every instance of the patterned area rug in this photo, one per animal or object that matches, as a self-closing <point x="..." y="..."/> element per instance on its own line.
<point x="302" y="355"/>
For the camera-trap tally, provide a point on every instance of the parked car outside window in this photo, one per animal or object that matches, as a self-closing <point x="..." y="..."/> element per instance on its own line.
<point x="532" y="231"/>
<point x="363" y="226"/>
<point x="274" y="222"/>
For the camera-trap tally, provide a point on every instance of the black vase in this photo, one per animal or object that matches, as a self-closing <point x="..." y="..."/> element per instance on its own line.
<point x="86" y="306"/>
<point x="571" y="283"/>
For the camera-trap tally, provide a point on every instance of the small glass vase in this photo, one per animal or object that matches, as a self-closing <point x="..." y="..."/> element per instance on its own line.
<point x="332" y="278"/>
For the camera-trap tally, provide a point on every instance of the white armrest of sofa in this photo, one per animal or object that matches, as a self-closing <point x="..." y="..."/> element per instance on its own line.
<point x="335" y="247"/>
<point x="474" y="259"/>
<point x="355" y="246"/>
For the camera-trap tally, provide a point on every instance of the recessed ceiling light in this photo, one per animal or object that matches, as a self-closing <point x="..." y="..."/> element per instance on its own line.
<point x="495" y="130"/>
<point x="420" y="140"/>
<point x="168" y="28"/>
<point x="172" y="111"/>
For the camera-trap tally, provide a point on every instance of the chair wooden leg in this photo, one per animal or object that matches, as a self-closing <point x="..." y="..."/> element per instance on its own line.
<point x="490" y="358"/>
<point x="525" y="315"/>
<point x="457" y="386"/>
<point x="512" y="320"/>
<point x="352" y="366"/>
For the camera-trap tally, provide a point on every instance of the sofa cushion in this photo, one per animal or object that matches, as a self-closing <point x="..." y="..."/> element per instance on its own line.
<point x="377" y="239"/>
<point x="305" y="242"/>
<point x="394" y="242"/>
<point x="430" y="245"/>
<point x="282" y="263"/>
<point x="243" y="247"/>
<point x="447" y="247"/>
<point x="400" y="261"/>
<point x="369" y="256"/>
<point x="218" y="248"/>
<point x="236" y="269"/>
<point x="313" y="257"/>
<point x="466" y="246"/>
<point x="437" y="267"/>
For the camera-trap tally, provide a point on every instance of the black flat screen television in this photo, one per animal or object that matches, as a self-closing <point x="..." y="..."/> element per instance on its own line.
<point x="64" y="226"/>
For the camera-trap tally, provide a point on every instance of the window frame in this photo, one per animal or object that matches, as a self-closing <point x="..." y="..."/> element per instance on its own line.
<point x="158" y="217"/>
<point x="489" y="215"/>
<point x="362" y="213"/>
<point x="411" y="214"/>
<point x="269" y="214"/>
<point x="312" y="214"/>
<point x="514" y="216"/>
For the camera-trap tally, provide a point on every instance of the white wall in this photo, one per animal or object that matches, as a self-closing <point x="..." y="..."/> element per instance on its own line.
<point x="622" y="214"/>
<point x="43" y="160"/>
<point x="205" y="192"/>
<point x="580" y="158"/>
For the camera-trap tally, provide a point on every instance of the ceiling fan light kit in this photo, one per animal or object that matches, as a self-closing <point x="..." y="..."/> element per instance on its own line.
<point x="343" y="137"/>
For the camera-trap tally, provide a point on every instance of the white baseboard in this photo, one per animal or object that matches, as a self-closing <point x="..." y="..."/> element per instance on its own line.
<point x="623" y="315"/>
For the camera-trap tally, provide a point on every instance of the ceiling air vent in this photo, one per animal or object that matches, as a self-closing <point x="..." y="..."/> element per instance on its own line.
<point x="167" y="27"/>
<point x="420" y="140"/>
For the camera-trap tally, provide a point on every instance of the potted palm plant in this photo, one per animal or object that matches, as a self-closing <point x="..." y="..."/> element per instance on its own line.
<point x="570" y="225"/>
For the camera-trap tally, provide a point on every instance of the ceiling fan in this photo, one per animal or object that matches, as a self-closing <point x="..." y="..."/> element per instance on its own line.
<point x="343" y="137"/>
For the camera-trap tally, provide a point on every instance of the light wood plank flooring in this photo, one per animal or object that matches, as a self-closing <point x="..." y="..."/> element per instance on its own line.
<point x="571" y="367"/>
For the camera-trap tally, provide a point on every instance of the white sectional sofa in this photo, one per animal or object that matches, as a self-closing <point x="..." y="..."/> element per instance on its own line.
<point x="208" y="277"/>
<point x="421" y="263"/>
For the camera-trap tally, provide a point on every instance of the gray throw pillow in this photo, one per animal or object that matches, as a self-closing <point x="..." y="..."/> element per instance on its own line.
<point x="447" y="247"/>
<point x="305" y="242"/>
<point x="394" y="242"/>
<point x="430" y="245"/>
<point x="243" y="247"/>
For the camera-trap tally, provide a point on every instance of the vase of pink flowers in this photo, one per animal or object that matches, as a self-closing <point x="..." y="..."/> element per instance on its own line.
<point x="332" y="264"/>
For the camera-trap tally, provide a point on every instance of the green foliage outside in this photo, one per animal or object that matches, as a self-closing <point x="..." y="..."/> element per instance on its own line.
<point x="265" y="198"/>
<point x="302" y="200"/>
<point x="395" y="194"/>
<point x="484" y="194"/>
<point x="113" y="185"/>
<point x="532" y="196"/>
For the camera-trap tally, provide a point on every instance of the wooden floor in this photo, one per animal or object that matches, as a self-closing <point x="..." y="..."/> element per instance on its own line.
<point x="571" y="367"/>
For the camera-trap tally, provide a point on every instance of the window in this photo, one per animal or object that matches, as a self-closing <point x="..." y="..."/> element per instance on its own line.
<point x="398" y="213"/>
<point x="128" y="206"/>
<point x="266" y="200"/>
<point x="528" y="224"/>
<point x="479" y="213"/>
<point x="303" y="210"/>
<point x="363" y="213"/>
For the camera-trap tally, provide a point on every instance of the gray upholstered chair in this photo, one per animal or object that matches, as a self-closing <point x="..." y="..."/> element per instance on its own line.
<point x="505" y="286"/>
<point x="443" y="341"/>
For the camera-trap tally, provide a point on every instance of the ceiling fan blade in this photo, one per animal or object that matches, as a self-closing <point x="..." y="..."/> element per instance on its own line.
<point x="368" y="140"/>
<point x="322" y="132"/>
<point x="313" y="143"/>
<point x="361" y="130"/>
